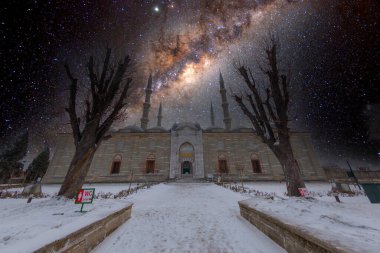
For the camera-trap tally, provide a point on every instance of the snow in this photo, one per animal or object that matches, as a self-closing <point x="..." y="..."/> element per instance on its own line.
<point x="26" y="227"/>
<point x="52" y="189"/>
<point x="191" y="218"/>
<point x="318" y="190"/>
<point x="353" y="224"/>
<point x="187" y="218"/>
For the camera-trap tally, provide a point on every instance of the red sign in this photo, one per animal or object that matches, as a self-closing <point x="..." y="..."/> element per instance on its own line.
<point x="304" y="192"/>
<point x="85" y="196"/>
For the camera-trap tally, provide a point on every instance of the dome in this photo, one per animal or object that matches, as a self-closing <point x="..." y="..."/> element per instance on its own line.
<point x="182" y="125"/>
<point x="242" y="130"/>
<point x="131" y="129"/>
<point x="215" y="129"/>
<point x="157" y="129"/>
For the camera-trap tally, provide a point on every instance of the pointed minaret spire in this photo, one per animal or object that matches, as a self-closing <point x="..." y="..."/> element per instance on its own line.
<point x="212" y="116"/>
<point x="226" y="113"/>
<point x="148" y="92"/>
<point x="159" y="116"/>
<point x="221" y="80"/>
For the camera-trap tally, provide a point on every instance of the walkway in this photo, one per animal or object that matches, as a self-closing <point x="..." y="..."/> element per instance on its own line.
<point x="187" y="218"/>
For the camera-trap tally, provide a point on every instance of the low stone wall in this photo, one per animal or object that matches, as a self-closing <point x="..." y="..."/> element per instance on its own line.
<point x="291" y="238"/>
<point x="87" y="238"/>
<point x="138" y="178"/>
<point x="8" y="186"/>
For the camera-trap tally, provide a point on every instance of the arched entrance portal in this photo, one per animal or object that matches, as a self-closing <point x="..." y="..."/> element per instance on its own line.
<point x="186" y="168"/>
<point x="186" y="159"/>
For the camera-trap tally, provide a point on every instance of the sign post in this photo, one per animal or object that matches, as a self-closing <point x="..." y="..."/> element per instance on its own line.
<point x="304" y="192"/>
<point x="85" y="196"/>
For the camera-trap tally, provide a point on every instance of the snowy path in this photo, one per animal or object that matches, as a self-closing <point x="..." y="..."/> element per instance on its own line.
<point x="187" y="218"/>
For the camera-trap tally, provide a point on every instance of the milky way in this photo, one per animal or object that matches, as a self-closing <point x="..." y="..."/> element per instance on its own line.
<point x="330" y="47"/>
<point x="187" y="51"/>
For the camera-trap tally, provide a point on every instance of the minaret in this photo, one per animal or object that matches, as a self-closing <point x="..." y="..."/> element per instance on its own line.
<point x="148" y="92"/>
<point x="226" y="113"/>
<point x="212" y="116"/>
<point x="159" y="116"/>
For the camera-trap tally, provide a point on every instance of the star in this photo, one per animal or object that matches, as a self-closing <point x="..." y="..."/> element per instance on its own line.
<point x="328" y="47"/>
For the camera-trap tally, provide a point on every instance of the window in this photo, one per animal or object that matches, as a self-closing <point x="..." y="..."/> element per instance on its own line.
<point x="116" y="165"/>
<point x="150" y="164"/>
<point x="222" y="164"/>
<point x="256" y="167"/>
<point x="186" y="151"/>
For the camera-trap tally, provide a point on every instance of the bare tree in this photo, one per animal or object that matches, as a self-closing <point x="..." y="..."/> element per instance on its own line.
<point x="107" y="97"/>
<point x="268" y="112"/>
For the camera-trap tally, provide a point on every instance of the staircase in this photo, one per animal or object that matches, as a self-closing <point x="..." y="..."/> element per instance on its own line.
<point x="189" y="180"/>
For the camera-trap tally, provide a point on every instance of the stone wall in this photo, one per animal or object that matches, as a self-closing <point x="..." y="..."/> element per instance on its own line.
<point x="306" y="156"/>
<point x="239" y="147"/>
<point x="133" y="148"/>
<point x="59" y="164"/>
<point x="291" y="238"/>
<point x="87" y="238"/>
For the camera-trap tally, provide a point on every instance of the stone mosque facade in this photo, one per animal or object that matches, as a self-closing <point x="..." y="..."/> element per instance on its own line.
<point x="143" y="154"/>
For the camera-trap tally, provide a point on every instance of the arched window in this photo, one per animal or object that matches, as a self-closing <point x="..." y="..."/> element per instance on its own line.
<point x="150" y="164"/>
<point x="116" y="164"/>
<point x="186" y="151"/>
<point x="255" y="161"/>
<point x="222" y="162"/>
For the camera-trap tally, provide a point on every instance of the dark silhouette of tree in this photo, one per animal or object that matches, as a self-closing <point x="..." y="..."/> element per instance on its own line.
<point x="10" y="159"/>
<point x="268" y="112"/>
<point x="107" y="97"/>
<point x="38" y="167"/>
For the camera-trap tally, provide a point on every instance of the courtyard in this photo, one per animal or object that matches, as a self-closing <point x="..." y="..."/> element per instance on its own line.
<point x="187" y="218"/>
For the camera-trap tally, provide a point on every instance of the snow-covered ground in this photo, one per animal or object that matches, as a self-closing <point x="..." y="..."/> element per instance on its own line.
<point x="354" y="223"/>
<point x="25" y="227"/>
<point x="318" y="190"/>
<point x="52" y="189"/>
<point x="187" y="218"/>
<point x="190" y="218"/>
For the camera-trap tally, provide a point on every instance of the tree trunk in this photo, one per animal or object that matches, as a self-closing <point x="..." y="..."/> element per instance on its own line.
<point x="291" y="170"/>
<point x="80" y="164"/>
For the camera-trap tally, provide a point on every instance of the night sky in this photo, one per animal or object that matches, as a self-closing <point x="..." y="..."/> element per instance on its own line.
<point x="330" y="47"/>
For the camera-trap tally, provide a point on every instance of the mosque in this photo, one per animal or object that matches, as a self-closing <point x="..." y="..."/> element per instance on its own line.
<point x="154" y="154"/>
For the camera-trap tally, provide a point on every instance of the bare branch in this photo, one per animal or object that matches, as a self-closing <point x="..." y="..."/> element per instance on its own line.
<point x="269" y="106"/>
<point x="71" y="110"/>
<point x="88" y="110"/>
<point x="285" y="89"/>
<point x="116" y="110"/>
<point x="115" y="83"/>
<point x="273" y="106"/>
<point x="105" y="68"/>
<point x="254" y="108"/>
<point x="251" y="117"/>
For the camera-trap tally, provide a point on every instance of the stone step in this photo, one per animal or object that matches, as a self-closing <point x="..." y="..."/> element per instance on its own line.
<point x="190" y="180"/>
